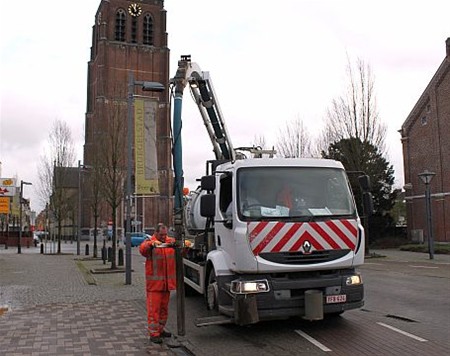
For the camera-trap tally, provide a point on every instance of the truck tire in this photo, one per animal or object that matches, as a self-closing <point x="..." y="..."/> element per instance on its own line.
<point x="212" y="291"/>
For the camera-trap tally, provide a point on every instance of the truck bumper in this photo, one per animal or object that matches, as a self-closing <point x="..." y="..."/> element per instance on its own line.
<point x="286" y="297"/>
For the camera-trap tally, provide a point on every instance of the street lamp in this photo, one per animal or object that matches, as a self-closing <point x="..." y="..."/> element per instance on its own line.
<point x="426" y="177"/>
<point x="146" y="86"/>
<point x="80" y="168"/>
<point x="19" y="246"/>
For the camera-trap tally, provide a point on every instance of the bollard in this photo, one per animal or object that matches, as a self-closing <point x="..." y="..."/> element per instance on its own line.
<point x="104" y="254"/>
<point x="120" y="262"/>
<point x="87" y="250"/>
<point x="109" y="254"/>
<point x="42" y="248"/>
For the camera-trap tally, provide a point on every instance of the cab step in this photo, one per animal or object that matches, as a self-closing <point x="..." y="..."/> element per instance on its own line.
<point x="213" y="320"/>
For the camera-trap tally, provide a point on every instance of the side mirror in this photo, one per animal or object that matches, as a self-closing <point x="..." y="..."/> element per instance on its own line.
<point x="364" y="182"/>
<point x="208" y="205"/>
<point x="367" y="203"/>
<point x="228" y="223"/>
<point x="208" y="183"/>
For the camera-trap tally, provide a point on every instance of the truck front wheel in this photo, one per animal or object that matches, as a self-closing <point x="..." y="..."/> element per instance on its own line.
<point x="212" y="291"/>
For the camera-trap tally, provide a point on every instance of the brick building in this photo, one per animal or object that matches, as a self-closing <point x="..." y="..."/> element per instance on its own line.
<point x="129" y="36"/>
<point x="426" y="146"/>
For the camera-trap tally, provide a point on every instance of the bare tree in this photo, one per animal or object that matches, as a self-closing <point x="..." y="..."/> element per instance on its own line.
<point x="54" y="175"/>
<point x="294" y="140"/>
<point x="111" y="162"/>
<point x="355" y="114"/>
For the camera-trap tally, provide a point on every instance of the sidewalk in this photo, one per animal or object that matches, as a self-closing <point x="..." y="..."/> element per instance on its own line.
<point x="397" y="255"/>
<point x="47" y="307"/>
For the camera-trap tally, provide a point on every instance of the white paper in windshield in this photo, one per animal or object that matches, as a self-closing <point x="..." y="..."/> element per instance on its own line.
<point x="320" y="211"/>
<point x="278" y="211"/>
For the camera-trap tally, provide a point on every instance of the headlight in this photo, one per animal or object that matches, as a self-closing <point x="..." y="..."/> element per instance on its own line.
<point x="353" y="280"/>
<point x="246" y="287"/>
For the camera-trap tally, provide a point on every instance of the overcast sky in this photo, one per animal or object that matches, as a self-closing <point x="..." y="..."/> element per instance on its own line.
<point x="270" y="61"/>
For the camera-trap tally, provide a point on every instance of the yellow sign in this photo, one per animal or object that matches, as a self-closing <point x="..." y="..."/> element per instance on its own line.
<point x="4" y="205"/>
<point x="146" y="167"/>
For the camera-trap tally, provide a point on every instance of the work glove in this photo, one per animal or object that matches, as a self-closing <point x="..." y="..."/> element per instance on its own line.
<point x="156" y="243"/>
<point x="187" y="243"/>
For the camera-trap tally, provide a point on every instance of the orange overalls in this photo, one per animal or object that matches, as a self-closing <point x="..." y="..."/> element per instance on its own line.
<point x="160" y="280"/>
<point x="284" y="197"/>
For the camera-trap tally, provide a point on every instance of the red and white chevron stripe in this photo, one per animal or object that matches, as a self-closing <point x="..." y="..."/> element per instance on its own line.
<point x="272" y="236"/>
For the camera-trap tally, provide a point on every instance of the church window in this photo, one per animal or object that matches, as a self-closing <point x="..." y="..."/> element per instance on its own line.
<point x="120" y="25"/>
<point x="134" y="30"/>
<point x="148" y="30"/>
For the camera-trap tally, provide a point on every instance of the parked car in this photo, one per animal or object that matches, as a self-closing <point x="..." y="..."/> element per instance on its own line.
<point x="138" y="237"/>
<point x="84" y="234"/>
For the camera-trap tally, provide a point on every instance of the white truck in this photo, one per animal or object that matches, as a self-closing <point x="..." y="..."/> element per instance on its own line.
<point x="273" y="237"/>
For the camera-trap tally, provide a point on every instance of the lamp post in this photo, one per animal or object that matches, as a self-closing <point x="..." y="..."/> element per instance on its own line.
<point x="19" y="246"/>
<point x="426" y="177"/>
<point x="146" y="86"/>
<point x="80" y="168"/>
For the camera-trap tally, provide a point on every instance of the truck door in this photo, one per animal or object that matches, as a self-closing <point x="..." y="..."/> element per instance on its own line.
<point x="224" y="216"/>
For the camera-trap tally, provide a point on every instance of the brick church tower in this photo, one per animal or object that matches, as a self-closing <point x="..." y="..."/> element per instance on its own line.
<point x="129" y="37"/>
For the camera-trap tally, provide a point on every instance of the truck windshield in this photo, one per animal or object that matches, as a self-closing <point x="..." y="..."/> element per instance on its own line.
<point x="292" y="192"/>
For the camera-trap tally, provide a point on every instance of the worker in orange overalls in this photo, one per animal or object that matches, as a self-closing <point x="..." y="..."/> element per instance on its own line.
<point x="160" y="280"/>
<point x="285" y="196"/>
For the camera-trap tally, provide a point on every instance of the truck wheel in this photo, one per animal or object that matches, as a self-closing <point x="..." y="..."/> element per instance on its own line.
<point x="212" y="292"/>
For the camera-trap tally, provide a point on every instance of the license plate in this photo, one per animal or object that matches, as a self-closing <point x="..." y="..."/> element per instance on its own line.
<point x="341" y="298"/>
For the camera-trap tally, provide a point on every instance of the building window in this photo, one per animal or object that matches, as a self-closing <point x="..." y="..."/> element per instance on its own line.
<point x="120" y="25"/>
<point x="428" y="108"/>
<point x="134" y="30"/>
<point x="424" y="120"/>
<point x="148" y="30"/>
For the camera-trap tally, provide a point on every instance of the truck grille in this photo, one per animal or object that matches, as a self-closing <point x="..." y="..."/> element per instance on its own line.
<point x="299" y="258"/>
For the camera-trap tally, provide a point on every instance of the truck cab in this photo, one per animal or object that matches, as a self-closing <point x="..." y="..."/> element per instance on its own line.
<point x="280" y="228"/>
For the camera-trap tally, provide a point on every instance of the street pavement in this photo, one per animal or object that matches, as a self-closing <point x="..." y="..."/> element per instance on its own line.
<point x="52" y="305"/>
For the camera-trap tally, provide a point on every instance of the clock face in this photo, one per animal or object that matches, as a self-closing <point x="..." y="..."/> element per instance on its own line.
<point x="135" y="9"/>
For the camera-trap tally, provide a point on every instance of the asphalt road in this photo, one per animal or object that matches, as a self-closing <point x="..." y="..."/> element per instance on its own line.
<point x="406" y="312"/>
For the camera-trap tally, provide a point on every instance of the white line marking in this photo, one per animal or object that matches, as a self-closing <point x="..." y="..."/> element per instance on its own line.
<point x="313" y="341"/>
<point x="422" y="266"/>
<point x="403" y="332"/>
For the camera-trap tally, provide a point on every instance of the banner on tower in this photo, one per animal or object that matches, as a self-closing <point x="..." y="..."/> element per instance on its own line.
<point x="146" y="165"/>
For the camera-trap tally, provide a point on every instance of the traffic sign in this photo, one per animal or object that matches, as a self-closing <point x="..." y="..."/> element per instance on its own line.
<point x="4" y="205"/>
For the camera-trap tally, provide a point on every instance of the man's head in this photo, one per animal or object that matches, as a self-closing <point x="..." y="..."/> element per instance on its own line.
<point x="161" y="232"/>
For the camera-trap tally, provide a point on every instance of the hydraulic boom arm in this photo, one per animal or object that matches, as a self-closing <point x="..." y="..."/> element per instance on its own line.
<point x="205" y="97"/>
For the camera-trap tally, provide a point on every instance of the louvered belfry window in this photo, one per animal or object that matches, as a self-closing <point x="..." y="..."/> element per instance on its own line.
<point x="134" y="25"/>
<point x="148" y="30"/>
<point x="120" y="25"/>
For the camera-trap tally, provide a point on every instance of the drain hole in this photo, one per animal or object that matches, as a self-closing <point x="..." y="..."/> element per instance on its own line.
<point x="402" y="318"/>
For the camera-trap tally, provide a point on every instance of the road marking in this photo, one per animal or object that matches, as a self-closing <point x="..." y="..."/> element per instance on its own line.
<point x="422" y="266"/>
<point x="313" y="341"/>
<point x="403" y="332"/>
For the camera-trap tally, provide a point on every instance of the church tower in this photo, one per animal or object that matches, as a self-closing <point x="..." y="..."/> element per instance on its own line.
<point x="130" y="37"/>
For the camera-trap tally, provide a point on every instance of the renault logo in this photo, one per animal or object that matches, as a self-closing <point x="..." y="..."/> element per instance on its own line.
<point x="307" y="246"/>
